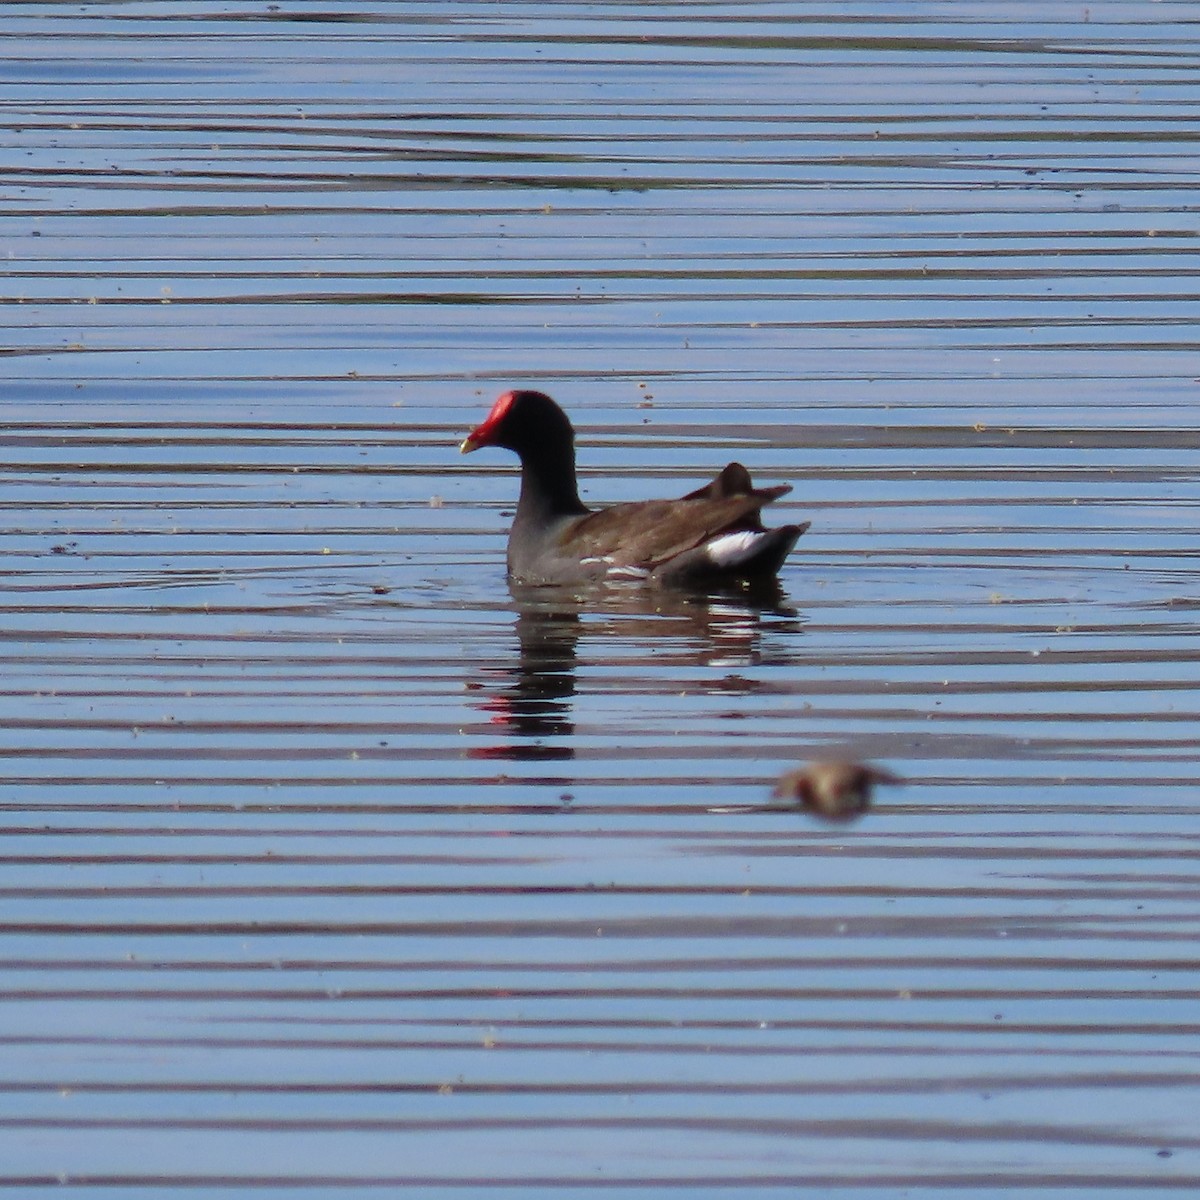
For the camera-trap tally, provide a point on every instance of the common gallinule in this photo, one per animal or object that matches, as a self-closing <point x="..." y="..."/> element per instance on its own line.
<point x="709" y="536"/>
<point x="838" y="791"/>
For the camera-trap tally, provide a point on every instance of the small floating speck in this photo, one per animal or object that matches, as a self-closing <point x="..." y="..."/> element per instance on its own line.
<point x="837" y="791"/>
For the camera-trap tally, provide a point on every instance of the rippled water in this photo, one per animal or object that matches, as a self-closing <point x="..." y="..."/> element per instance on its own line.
<point x="332" y="866"/>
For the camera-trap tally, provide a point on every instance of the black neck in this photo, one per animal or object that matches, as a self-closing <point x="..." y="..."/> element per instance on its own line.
<point x="548" y="486"/>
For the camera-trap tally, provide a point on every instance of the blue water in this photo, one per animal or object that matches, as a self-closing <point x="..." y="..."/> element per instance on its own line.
<point x="331" y="866"/>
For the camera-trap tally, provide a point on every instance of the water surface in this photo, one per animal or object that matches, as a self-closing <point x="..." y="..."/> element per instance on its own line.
<point x="331" y="866"/>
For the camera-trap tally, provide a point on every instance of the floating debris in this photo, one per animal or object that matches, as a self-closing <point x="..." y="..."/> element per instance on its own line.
<point x="837" y="791"/>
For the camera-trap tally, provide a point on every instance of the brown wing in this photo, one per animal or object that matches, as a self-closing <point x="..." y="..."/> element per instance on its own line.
<point x="734" y="480"/>
<point x="651" y="532"/>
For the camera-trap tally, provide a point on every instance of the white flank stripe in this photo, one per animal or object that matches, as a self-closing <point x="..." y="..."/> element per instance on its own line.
<point x="732" y="548"/>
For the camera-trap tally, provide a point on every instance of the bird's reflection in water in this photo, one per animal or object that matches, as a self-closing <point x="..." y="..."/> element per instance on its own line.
<point x="532" y="701"/>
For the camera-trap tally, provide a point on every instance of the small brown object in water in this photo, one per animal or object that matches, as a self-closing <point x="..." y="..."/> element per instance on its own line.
<point x="837" y="791"/>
